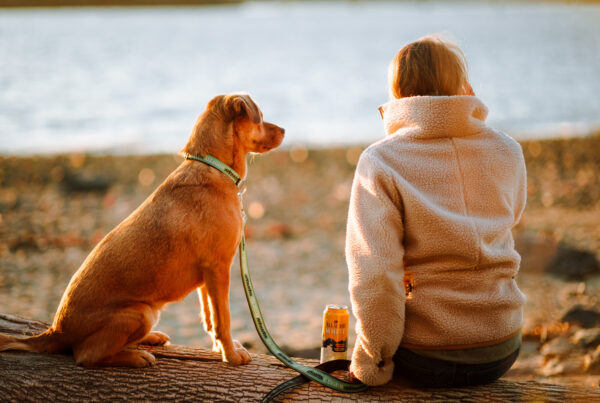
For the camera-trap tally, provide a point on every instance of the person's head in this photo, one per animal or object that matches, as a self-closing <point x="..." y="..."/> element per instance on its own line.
<point x="430" y="66"/>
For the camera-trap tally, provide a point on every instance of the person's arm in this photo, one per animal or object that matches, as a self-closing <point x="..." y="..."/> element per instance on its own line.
<point x="521" y="190"/>
<point x="374" y="254"/>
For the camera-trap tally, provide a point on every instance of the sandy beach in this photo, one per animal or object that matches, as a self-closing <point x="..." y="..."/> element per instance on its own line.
<point x="54" y="209"/>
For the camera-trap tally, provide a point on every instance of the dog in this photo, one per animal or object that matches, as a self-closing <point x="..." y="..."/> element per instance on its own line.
<point x="183" y="237"/>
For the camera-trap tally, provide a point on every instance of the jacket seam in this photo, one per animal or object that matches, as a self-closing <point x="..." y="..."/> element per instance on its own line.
<point x="461" y="182"/>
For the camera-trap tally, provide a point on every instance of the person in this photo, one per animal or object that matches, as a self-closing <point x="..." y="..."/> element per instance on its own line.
<point x="429" y="249"/>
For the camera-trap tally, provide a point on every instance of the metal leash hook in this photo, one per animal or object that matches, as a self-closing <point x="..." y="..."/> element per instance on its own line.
<point x="241" y="193"/>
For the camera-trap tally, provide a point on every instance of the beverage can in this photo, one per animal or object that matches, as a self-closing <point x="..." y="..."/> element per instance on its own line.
<point x="335" y="333"/>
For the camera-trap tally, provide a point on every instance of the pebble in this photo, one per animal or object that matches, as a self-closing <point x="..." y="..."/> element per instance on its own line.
<point x="585" y="318"/>
<point x="587" y="337"/>
<point x="573" y="264"/>
<point x="558" y="347"/>
<point x="592" y="362"/>
<point x="567" y="366"/>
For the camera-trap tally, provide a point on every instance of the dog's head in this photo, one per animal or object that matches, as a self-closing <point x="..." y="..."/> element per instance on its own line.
<point x="233" y="125"/>
<point x="253" y="133"/>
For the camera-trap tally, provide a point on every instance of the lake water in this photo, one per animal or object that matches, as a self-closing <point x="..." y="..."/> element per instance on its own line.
<point x="134" y="80"/>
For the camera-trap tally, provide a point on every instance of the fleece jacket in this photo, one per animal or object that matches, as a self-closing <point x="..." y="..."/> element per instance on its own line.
<point x="429" y="248"/>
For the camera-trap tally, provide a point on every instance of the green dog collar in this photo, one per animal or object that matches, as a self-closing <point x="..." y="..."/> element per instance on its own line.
<point x="217" y="164"/>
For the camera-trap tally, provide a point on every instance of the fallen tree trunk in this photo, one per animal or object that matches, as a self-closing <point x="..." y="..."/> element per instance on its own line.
<point x="183" y="373"/>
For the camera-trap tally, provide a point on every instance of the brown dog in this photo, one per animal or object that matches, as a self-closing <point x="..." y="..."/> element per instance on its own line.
<point x="184" y="236"/>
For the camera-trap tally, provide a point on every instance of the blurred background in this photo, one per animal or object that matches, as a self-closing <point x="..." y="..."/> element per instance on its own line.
<point x="95" y="102"/>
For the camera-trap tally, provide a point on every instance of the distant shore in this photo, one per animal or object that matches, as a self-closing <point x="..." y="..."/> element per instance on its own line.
<point x="111" y="3"/>
<point x="167" y="3"/>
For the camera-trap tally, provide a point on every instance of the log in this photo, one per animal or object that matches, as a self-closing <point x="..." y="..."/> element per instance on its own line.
<point x="194" y="374"/>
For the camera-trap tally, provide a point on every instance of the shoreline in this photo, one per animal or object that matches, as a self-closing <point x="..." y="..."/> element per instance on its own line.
<point x="563" y="167"/>
<point x="133" y="150"/>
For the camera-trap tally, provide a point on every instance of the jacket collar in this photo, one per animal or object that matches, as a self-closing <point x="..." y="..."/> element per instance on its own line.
<point x="434" y="116"/>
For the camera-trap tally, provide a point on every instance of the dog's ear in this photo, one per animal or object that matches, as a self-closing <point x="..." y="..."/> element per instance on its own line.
<point x="241" y="105"/>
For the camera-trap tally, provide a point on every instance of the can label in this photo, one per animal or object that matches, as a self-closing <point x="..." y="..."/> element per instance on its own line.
<point x="335" y="333"/>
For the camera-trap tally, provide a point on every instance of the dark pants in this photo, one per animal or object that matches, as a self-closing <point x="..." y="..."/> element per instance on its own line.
<point x="433" y="373"/>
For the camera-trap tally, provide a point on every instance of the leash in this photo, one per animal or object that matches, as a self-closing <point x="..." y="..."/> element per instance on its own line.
<point x="308" y="373"/>
<point x="329" y="366"/>
<point x="318" y="374"/>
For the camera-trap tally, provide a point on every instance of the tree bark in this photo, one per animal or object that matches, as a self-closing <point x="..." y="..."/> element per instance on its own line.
<point x="183" y="373"/>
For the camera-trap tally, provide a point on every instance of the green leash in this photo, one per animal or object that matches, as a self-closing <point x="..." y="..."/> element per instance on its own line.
<point x="315" y="374"/>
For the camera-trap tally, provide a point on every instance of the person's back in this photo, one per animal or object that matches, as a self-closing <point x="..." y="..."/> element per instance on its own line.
<point x="429" y="248"/>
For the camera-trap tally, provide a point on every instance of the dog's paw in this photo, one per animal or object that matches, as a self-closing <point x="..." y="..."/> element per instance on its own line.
<point x="155" y="339"/>
<point x="142" y="359"/>
<point x="127" y="358"/>
<point x="239" y="355"/>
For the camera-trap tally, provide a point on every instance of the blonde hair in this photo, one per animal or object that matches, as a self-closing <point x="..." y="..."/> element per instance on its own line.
<point x="430" y="66"/>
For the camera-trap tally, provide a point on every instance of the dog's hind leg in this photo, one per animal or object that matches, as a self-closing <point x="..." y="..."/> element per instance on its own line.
<point x="105" y="347"/>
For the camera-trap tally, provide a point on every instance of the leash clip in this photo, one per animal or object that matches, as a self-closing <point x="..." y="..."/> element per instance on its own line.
<point x="241" y="197"/>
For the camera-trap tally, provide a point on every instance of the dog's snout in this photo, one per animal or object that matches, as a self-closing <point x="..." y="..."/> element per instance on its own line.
<point x="282" y="130"/>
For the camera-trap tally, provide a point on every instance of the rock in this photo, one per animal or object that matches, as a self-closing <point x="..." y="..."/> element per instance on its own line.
<point x="81" y="182"/>
<point x="541" y="254"/>
<point x="573" y="264"/>
<point x="587" y="337"/>
<point x="585" y="318"/>
<point x="561" y="357"/>
<point x="536" y="252"/>
<point x="562" y="366"/>
<point x="591" y="362"/>
<point x="558" y="347"/>
<point x="279" y="230"/>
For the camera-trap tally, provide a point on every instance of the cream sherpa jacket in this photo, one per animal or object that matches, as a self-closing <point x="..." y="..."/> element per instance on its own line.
<point x="429" y="248"/>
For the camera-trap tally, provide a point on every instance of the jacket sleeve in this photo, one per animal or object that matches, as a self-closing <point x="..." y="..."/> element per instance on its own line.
<point x="374" y="254"/>
<point x="521" y="190"/>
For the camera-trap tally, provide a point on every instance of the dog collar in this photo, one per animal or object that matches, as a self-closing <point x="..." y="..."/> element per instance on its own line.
<point x="217" y="164"/>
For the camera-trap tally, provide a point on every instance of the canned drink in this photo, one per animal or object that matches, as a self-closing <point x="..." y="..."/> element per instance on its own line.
<point x="335" y="333"/>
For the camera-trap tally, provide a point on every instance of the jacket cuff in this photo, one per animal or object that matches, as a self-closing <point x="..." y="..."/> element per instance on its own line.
<point x="370" y="370"/>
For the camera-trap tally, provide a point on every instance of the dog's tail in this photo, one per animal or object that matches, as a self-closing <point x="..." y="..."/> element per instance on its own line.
<point x="47" y="342"/>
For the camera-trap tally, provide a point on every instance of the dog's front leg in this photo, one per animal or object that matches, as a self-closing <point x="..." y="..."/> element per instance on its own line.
<point x="217" y="290"/>
<point x="206" y="315"/>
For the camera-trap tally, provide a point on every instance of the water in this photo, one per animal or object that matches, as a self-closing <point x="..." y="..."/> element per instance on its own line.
<point x="134" y="80"/>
